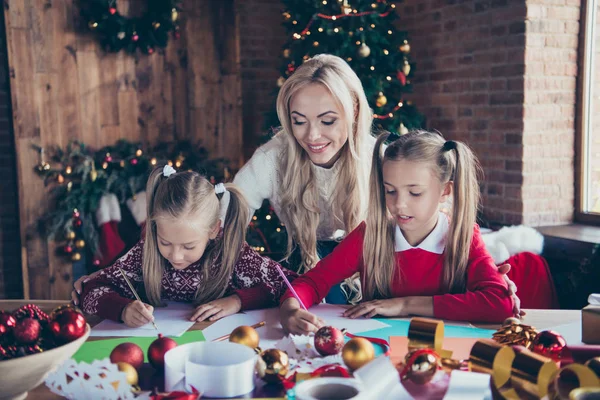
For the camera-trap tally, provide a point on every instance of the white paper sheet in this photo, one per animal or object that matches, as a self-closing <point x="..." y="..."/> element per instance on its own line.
<point x="272" y="332"/>
<point x="570" y="332"/>
<point x="468" y="386"/>
<point x="172" y="320"/>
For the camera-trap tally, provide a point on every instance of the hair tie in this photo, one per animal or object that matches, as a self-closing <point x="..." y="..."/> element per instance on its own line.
<point x="449" y="145"/>
<point x="223" y="202"/>
<point x="168" y="171"/>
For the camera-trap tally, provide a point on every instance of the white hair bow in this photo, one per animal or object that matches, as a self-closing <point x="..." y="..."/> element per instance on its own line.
<point x="224" y="202"/>
<point x="168" y="171"/>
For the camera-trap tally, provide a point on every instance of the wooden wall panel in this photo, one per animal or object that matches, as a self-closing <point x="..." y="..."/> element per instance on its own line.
<point x="65" y="87"/>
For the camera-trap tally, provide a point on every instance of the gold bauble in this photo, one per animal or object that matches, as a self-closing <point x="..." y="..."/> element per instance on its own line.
<point x="43" y="166"/>
<point x="280" y="81"/>
<point x="381" y="100"/>
<point x="364" y="51"/>
<point x="80" y="243"/>
<point x="60" y="179"/>
<point x="272" y="365"/>
<point x="405" y="48"/>
<point x="287" y="53"/>
<point x="511" y="321"/>
<point x="130" y="372"/>
<point x="76" y="257"/>
<point x="357" y="352"/>
<point x="424" y="366"/>
<point x="174" y="15"/>
<point x="245" y="335"/>
<point x="406" y="68"/>
<point x="156" y="25"/>
<point x="93" y="175"/>
<point x="70" y="235"/>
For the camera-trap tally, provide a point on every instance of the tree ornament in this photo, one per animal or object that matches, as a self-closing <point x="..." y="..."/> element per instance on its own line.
<point x="515" y="334"/>
<point x="401" y="77"/>
<point x="286" y="53"/>
<point x="67" y="324"/>
<point x="402" y="130"/>
<point x="381" y="100"/>
<point x="364" y="51"/>
<point x="70" y="235"/>
<point x="549" y="344"/>
<point x="80" y="244"/>
<point x="93" y="25"/>
<point x="156" y="25"/>
<point x="245" y="335"/>
<point x="76" y="257"/>
<point x="131" y="374"/>
<point x="129" y="353"/>
<point x="157" y="350"/>
<point x="68" y="249"/>
<point x="96" y="262"/>
<point x="287" y="15"/>
<point x="357" y="352"/>
<point x="406" y="68"/>
<point x="121" y="35"/>
<point x="30" y="311"/>
<point x="272" y="365"/>
<point x="421" y="366"/>
<point x="280" y="81"/>
<point x="77" y="222"/>
<point x="112" y="10"/>
<point x="93" y="173"/>
<point x="134" y="161"/>
<point x="7" y="324"/>
<point x="174" y="15"/>
<point x="27" y="331"/>
<point x="7" y="352"/>
<point x="150" y="51"/>
<point x="346" y="8"/>
<point x="135" y="37"/>
<point x="405" y="47"/>
<point x="76" y="213"/>
<point x="329" y="340"/>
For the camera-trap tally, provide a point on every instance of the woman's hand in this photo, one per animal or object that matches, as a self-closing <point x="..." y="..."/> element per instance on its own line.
<point x="136" y="314"/>
<point x="217" y="309"/>
<point x="297" y="321"/>
<point x="395" y="307"/>
<point x="78" y="285"/>
<point x="512" y="290"/>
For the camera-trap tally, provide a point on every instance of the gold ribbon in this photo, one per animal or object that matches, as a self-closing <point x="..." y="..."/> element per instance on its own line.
<point x="427" y="333"/>
<point x="515" y="372"/>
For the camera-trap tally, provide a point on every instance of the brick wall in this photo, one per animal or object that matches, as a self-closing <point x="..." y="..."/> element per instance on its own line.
<point x="262" y="39"/>
<point x="11" y="285"/>
<point x="549" y="111"/>
<point x="594" y="194"/>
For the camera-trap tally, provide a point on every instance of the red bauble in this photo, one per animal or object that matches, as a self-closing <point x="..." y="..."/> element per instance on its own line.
<point x="7" y="324"/>
<point x="157" y="350"/>
<point x="549" y="344"/>
<point x="76" y="214"/>
<point x="96" y="262"/>
<point x="134" y="161"/>
<point x="329" y="340"/>
<point x="68" y="249"/>
<point x="135" y="38"/>
<point x="128" y="352"/>
<point x="27" y="331"/>
<point x="150" y="51"/>
<point x="401" y="77"/>
<point x="77" y="223"/>
<point x="112" y="10"/>
<point x="177" y="35"/>
<point x="7" y="352"/>
<point x="67" y="325"/>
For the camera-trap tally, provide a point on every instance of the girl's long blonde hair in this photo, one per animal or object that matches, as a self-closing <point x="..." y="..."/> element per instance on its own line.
<point x="298" y="191"/>
<point x="187" y="195"/>
<point x="449" y="161"/>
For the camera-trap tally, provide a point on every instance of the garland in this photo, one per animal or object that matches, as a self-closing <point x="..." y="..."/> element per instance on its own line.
<point x="78" y="177"/>
<point x="117" y="32"/>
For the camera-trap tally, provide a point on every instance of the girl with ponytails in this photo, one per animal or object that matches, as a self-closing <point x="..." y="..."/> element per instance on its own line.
<point x="193" y="250"/>
<point x="413" y="259"/>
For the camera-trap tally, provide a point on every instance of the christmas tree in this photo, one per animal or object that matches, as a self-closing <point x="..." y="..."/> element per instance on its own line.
<point x="364" y="33"/>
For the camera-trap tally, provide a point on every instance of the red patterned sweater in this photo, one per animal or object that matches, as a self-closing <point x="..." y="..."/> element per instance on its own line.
<point x="255" y="280"/>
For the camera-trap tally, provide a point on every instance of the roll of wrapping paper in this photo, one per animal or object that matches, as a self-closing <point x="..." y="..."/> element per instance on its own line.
<point x="427" y="333"/>
<point x="579" y="354"/>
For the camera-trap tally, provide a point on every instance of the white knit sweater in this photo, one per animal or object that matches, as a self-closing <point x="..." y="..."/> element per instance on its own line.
<point x="260" y="180"/>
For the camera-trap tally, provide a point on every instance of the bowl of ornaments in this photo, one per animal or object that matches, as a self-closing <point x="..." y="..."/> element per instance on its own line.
<point x="33" y="343"/>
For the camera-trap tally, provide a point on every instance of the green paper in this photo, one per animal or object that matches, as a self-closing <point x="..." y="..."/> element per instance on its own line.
<point x="100" y="349"/>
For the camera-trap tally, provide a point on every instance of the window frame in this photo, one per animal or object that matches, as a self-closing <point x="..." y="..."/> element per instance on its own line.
<point x="586" y="57"/>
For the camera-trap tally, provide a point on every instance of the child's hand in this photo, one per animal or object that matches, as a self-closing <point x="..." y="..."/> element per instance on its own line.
<point x="296" y="320"/>
<point x="512" y="290"/>
<point x="137" y="314"/>
<point x="387" y="308"/>
<point x="217" y="309"/>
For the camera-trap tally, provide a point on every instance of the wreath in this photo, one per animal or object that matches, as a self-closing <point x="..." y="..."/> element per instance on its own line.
<point x="147" y="32"/>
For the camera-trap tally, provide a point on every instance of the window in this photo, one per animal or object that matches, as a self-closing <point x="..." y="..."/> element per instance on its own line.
<point x="587" y="193"/>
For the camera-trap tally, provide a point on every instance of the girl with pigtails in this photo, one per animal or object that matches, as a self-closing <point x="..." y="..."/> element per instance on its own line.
<point x="412" y="258"/>
<point x="193" y="250"/>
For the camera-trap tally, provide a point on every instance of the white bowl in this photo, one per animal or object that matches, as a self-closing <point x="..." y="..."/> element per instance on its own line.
<point x="20" y="375"/>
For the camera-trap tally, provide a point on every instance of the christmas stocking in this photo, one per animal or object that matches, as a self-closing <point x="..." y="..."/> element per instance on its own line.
<point x="137" y="206"/>
<point x="108" y="216"/>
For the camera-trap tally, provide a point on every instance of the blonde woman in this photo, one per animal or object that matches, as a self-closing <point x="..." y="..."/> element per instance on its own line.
<point x="314" y="172"/>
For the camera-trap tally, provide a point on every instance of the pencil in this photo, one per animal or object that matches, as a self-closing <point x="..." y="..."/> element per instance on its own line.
<point x="225" y="337"/>
<point x="289" y="285"/>
<point x="137" y="297"/>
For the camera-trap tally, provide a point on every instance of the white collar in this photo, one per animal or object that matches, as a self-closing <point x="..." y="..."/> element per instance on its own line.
<point x="435" y="242"/>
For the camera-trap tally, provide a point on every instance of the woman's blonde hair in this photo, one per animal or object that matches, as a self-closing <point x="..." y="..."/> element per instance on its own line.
<point x="449" y="161"/>
<point x="187" y="195"/>
<point x="298" y="189"/>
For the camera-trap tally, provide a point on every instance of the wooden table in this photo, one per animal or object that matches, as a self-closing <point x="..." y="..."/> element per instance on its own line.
<point x="541" y="319"/>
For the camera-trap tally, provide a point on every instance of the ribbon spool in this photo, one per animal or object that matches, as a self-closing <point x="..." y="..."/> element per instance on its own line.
<point x="515" y="373"/>
<point x="427" y="333"/>
<point x="215" y="369"/>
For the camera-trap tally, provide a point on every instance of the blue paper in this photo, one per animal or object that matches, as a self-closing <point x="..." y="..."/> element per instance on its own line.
<point x="400" y="328"/>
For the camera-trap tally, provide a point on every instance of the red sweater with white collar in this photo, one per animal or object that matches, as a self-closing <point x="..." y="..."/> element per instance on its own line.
<point x="418" y="273"/>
